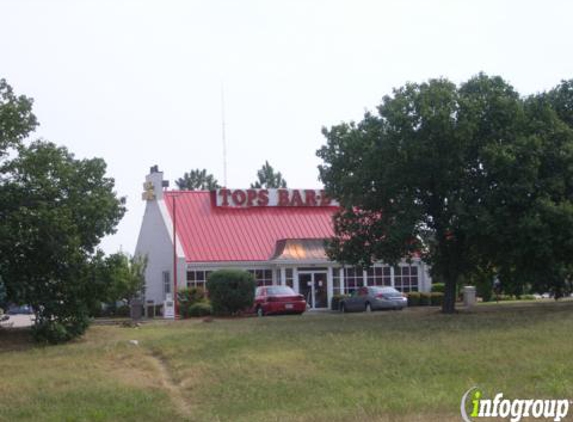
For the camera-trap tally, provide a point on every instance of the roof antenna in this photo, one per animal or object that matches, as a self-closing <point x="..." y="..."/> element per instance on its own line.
<point x="223" y="135"/>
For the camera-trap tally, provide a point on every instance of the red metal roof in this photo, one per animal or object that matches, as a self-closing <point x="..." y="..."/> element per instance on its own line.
<point x="209" y="233"/>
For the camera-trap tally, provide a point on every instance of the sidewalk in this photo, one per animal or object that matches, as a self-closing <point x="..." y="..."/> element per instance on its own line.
<point x="17" y="321"/>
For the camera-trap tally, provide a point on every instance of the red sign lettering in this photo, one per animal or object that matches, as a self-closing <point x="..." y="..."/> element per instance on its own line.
<point x="239" y="197"/>
<point x="296" y="200"/>
<point x="324" y="199"/>
<point x="251" y="196"/>
<point x="263" y="200"/>
<point x="225" y="194"/>
<point x="283" y="198"/>
<point x="246" y="198"/>
<point x="310" y="198"/>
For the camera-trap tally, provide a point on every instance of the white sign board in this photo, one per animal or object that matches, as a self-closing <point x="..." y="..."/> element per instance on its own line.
<point x="169" y="309"/>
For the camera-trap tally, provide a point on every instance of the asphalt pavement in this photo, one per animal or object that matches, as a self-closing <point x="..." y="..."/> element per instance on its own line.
<point x="16" y="321"/>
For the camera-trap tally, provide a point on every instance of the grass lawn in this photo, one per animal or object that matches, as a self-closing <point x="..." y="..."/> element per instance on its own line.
<point x="385" y="366"/>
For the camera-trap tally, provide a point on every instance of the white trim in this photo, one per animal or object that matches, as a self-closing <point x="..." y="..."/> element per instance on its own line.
<point x="295" y="282"/>
<point x="274" y="263"/>
<point x="392" y="281"/>
<point x="329" y="286"/>
<point x="274" y="276"/>
<point x="169" y="226"/>
<point x="320" y="271"/>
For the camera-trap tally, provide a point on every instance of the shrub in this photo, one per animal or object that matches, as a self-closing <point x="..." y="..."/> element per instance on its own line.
<point x="438" y="287"/>
<point x="60" y="330"/>
<point x="335" y="302"/>
<point x="437" y="298"/>
<point x="527" y="297"/>
<point x="189" y="297"/>
<point x="484" y="288"/>
<point x="231" y="291"/>
<point x="413" y="299"/>
<point x="122" y="311"/>
<point x="425" y="299"/>
<point x="198" y="309"/>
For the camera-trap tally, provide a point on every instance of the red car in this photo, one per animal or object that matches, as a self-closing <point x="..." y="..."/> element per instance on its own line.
<point x="278" y="300"/>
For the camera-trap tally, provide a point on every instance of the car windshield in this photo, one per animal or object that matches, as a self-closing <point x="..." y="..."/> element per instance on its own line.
<point x="279" y="291"/>
<point x="389" y="291"/>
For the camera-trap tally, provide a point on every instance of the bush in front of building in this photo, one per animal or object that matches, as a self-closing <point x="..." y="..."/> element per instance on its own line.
<point x="335" y="302"/>
<point x="425" y="299"/>
<point x="437" y="298"/>
<point x="438" y="287"/>
<point x="413" y="299"/>
<point x="187" y="298"/>
<point x="198" y="309"/>
<point x="231" y="291"/>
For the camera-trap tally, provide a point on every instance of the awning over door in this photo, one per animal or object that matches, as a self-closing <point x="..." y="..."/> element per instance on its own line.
<point x="300" y="250"/>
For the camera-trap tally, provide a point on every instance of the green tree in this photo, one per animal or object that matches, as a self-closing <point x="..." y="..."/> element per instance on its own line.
<point x="463" y="175"/>
<point x="3" y="296"/>
<point x="268" y="178"/>
<point x="16" y="118"/>
<point x="54" y="210"/>
<point x="561" y="99"/>
<point x="124" y="277"/>
<point x="57" y="210"/>
<point x="197" y="180"/>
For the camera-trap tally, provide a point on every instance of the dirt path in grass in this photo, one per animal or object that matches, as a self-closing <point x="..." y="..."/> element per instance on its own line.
<point x="173" y="388"/>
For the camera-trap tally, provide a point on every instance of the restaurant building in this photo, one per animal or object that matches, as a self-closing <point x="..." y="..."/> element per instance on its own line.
<point x="276" y="234"/>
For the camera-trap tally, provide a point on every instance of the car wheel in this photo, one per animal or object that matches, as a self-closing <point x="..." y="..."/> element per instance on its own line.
<point x="260" y="312"/>
<point x="342" y="308"/>
<point x="368" y="308"/>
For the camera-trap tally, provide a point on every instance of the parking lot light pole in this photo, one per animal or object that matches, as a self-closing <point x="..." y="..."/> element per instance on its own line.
<point x="175" y="304"/>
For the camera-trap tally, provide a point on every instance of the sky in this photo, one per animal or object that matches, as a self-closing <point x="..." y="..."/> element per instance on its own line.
<point x="140" y="83"/>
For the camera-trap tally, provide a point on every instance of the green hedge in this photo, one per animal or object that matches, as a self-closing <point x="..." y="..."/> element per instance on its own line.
<point x="231" y="291"/>
<point x="189" y="297"/>
<point x="438" y="288"/>
<point x="199" y="309"/>
<point x="425" y="299"/>
<point x="413" y="299"/>
<point x="437" y="298"/>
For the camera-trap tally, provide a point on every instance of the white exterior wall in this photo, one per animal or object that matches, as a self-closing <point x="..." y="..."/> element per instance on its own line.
<point x="156" y="241"/>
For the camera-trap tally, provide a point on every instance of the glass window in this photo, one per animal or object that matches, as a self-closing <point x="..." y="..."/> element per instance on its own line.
<point x="406" y="278"/>
<point x="166" y="282"/>
<point x="262" y="277"/>
<point x="378" y="276"/>
<point x="197" y="278"/>
<point x="289" y="277"/>
<point x="353" y="279"/>
<point x="337" y="287"/>
<point x="279" y="291"/>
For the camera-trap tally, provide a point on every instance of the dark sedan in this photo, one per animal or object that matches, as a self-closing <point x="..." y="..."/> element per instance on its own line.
<point x="366" y="299"/>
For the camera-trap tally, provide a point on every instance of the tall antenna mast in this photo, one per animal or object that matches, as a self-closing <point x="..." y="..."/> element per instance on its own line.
<point x="223" y="135"/>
